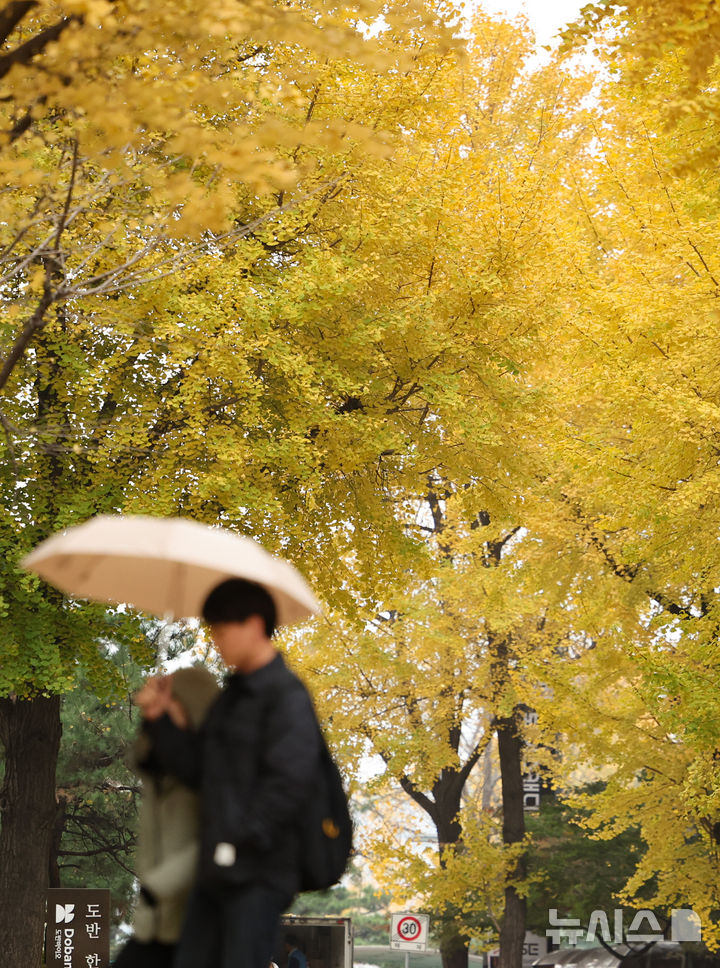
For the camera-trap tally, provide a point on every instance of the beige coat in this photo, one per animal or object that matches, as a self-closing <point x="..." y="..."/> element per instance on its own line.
<point x="168" y="824"/>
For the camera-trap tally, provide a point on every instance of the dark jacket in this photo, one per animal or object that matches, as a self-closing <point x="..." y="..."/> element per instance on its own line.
<point x="254" y="761"/>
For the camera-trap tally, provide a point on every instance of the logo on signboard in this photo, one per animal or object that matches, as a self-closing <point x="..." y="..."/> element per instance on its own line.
<point x="685" y="925"/>
<point x="79" y="936"/>
<point x="64" y="913"/>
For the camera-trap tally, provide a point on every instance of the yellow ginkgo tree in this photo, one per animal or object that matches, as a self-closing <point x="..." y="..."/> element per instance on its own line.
<point x="118" y="219"/>
<point x="635" y="427"/>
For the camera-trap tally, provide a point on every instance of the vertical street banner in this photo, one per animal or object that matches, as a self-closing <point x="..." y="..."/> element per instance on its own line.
<point x="535" y="779"/>
<point x="77" y="933"/>
<point x="531" y="776"/>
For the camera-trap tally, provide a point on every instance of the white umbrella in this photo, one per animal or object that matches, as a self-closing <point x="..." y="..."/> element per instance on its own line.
<point x="166" y="566"/>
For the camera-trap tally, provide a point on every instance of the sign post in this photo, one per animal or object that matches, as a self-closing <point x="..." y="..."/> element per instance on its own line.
<point x="77" y="934"/>
<point x="409" y="932"/>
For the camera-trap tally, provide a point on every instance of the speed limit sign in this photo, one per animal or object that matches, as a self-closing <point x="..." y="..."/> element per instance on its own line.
<point x="409" y="931"/>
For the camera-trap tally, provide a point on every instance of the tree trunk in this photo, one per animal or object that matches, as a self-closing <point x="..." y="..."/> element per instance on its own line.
<point x="30" y="735"/>
<point x="447" y="791"/>
<point x="55" y="843"/>
<point x="454" y="950"/>
<point x="512" y="929"/>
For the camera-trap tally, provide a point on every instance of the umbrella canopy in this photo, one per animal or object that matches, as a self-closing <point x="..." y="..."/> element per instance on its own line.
<point x="166" y="566"/>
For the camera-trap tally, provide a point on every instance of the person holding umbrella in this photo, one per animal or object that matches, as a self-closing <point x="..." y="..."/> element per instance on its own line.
<point x="254" y="759"/>
<point x="253" y="762"/>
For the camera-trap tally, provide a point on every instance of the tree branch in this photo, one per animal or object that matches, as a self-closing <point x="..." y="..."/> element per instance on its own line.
<point x="35" y="323"/>
<point x="629" y="574"/>
<point x="35" y="45"/>
<point x="11" y="15"/>
<point x="418" y="796"/>
<point x="469" y="764"/>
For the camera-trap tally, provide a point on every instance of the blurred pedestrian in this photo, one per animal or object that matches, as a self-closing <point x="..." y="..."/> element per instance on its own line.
<point x="168" y="846"/>
<point x="296" y="956"/>
<point x="253" y="761"/>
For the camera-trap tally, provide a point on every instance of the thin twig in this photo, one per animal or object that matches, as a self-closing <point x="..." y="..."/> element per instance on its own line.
<point x="11" y="444"/>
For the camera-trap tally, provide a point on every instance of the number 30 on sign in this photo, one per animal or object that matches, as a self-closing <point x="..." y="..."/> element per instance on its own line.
<point x="409" y="931"/>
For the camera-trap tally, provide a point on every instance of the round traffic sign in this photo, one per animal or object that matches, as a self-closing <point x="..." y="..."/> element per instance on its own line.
<point x="409" y="928"/>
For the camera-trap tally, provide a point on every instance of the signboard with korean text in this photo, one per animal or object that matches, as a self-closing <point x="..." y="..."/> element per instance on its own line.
<point x="533" y="947"/>
<point x="409" y="931"/>
<point x="77" y="934"/>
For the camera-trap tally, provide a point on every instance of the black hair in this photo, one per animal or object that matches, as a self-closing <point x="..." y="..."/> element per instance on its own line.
<point x="235" y="600"/>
